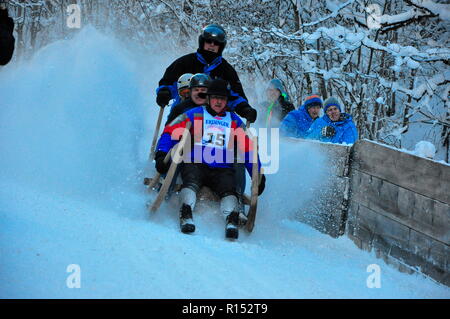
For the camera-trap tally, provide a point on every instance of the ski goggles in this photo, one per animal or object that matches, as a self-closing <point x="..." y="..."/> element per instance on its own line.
<point x="211" y="41"/>
<point x="184" y="92"/>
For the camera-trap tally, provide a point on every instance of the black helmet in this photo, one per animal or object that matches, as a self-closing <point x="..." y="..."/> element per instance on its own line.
<point x="199" y="80"/>
<point x="218" y="87"/>
<point x="213" y="32"/>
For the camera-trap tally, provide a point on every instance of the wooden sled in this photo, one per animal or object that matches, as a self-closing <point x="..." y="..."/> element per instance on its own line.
<point x="205" y="193"/>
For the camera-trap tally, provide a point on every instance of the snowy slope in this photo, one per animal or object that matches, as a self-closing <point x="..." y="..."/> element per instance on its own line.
<point x="76" y="123"/>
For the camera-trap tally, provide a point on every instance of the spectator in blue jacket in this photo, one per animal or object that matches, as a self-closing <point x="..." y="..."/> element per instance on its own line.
<point x="297" y="122"/>
<point x="335" y="126"/>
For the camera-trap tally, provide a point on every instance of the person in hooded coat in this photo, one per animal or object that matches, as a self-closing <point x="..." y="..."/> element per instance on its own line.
<point x="335" y="126"/>
<point x="277" y="105"/>
<point x="297" y="122"/>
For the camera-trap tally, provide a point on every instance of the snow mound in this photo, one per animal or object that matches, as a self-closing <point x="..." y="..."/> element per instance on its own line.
<point x="425" y="149"/>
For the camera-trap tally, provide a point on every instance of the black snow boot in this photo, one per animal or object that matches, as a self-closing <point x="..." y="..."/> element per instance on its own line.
<point x="231" y="229"/>
<point x="186" y="221"/>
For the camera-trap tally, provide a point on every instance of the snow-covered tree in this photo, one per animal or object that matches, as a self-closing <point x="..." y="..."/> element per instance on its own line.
<point x="386" y="60"/>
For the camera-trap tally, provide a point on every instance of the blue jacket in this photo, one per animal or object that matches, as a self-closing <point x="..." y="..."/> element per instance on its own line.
<point x="346" y="131"/>
<point x="210" y="155"/>
<point x="296" y="123"/>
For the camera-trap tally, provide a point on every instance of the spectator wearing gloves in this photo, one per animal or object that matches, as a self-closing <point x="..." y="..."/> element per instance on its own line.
<point x="334" y="126"/>
<point x="297" y="122"/>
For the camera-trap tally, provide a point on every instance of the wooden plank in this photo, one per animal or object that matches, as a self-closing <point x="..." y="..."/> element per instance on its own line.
<point x="386" y="232"/>
<point x="408" y="208"/>
<point x="399" y="245"/>
<point x="396" y="243"/>
<point x="420" y="244"/>
<point x="420" y="175"/>
<point x="439" y="255"/>
<point x="441" y="221"/>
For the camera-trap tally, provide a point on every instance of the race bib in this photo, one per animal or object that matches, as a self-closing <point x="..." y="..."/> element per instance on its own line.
<point x="216" y="131"/>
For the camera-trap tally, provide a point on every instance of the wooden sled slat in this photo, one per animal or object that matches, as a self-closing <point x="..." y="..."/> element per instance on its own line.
<point x="251" y="216"/>
<point x="176" y="158"/>
<point x="156" y="134"/>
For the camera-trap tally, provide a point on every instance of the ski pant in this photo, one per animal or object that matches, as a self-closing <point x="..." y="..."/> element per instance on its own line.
<point x="221" y="181"/>
<point x="240" y="178"/>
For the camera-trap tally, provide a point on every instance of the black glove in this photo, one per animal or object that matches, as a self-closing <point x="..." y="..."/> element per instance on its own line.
<point x="160" y="166"/>
<point x="281" y="99"/>
<point x="328" y="131"/>
<point x="285" y="104"/>
<point x="248" y="113"/>
<point x="262" y="184"/>
<point x="163" y="97"/>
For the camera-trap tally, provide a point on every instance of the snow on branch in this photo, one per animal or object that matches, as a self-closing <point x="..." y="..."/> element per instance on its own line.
<point x="438" y="9"/>
<point x="396" y="50"/>
<point x="347" y="41"/>
<point x="26" y="4"/>
<point x="333" y="14"/>
<point x="427" y="88"/>
<point x="420" y="10"/>
<point x="392" y="22"/>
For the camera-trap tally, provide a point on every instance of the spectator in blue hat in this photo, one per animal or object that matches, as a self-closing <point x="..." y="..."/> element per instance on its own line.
<point x="334" y="126"/>
<point x="297" y="122"/>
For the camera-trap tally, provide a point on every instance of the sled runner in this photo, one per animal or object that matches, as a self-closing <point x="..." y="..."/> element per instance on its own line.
<point x="156" y="134"/>
<point x="176" y="155"/>
<point x="255" y="183"/>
